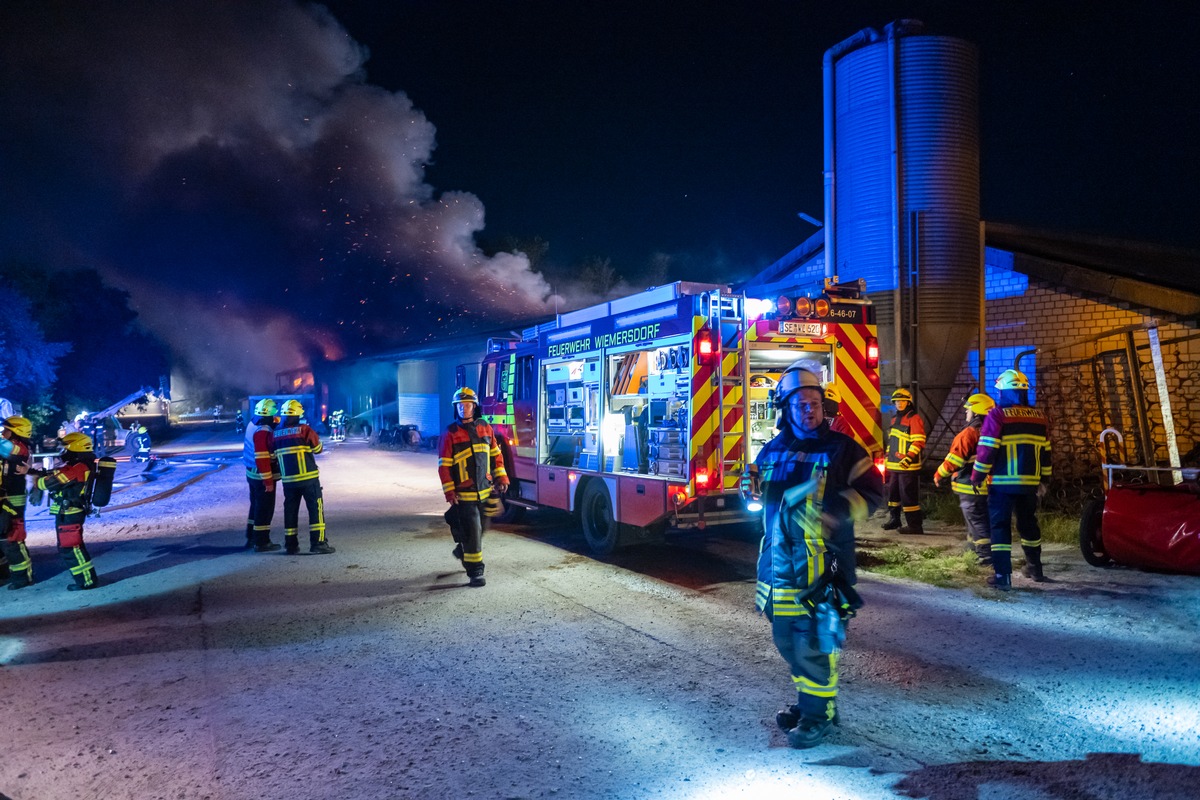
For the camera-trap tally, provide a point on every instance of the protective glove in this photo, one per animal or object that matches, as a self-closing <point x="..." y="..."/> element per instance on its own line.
<point x="502" y="486"/>
<point x="978" y="478"/>
<point x="904" y="463"/>
<point x="938" y="480"/>
<point x="452" y="498"/>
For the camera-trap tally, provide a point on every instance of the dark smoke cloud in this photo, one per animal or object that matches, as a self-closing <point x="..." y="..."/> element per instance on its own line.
<point x="227" y="163"/>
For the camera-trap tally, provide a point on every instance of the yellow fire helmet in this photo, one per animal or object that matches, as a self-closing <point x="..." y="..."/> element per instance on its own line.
<point x="466" y="395"/>
<point x="902" y="394"/>
<point x="266" y="408"/>
<point x="1012" y="379"/>
<point x="832" y="394"/>
<point x="19" y="426"/>
<point x="77" y="443"/>
<point x="979" y="403"/>
<point x="292" y="408"/>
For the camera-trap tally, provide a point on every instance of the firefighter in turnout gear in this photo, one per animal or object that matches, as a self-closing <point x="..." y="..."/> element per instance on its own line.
<point x="815" y="484"/>
<point x="906" y="448"/>
<point x="470" y="467"/>
<point x="833" y="407"/>
<point x="296" y="446"/>
<point x="258" y="456"/>
<point x="15" y="564"/>
<point x="957" y="468"/>
<point x="1014" y="450"/>
<point x="68" y="487"/>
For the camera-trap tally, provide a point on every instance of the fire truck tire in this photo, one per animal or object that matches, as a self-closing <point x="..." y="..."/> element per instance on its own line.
<point x="600" y="528"/>
<point x="1091" y="542"/>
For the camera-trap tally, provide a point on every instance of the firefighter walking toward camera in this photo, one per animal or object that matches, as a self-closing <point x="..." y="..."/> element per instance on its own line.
<point x="15" y="564"/>
<point x="258" y="457"/>
<point x="906" y="448"/>
<point x="68" y="487"/>
<point x="471" y="468"/>
<point x="296" y="447"/>
<point x="1014" y="451"/>
<point x="957" y="467"/>
<point x="815" y="484"/>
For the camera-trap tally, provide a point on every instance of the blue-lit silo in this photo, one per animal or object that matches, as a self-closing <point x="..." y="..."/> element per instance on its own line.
<point x="902" y="193"/>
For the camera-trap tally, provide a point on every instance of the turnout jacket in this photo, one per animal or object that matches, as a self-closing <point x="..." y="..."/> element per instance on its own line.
<point x="804" y="529"/>
<point x="1014" y="449"/>
<point x="258" y="453"/>
<point x="295" y="449"/>
<point x="67" y="486"/>
<point x="906" y="439"/>
<point x="14" y="464"/>
<point x="470" y="461"/>
<point x="960" y="461"/>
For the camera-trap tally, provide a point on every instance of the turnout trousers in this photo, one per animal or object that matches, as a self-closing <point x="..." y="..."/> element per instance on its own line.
<point x="904" y="493"/>
<point x="68" y="525"/>
<point x="1001" y="508"/>
<point x="310" y="492"/>
<point x="15" y="563"/>
<point x="467" y="525"/>
<point x="979" y="526"/>
<point x="814" y="674"/>
<point x="262" y="511"/>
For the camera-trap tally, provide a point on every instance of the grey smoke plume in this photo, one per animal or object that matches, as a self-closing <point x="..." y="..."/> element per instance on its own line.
<point x="228" y="164"/>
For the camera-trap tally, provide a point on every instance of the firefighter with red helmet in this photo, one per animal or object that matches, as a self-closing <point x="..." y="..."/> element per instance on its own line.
<point x="68" y="488"/>
<point x="296" y="447"/>
<point x="258" y="456"/>
<point x="815" y="484"/>
<point x="1014" y="451"/>
<point x="957" y="467"/>
<point x="15" y="564"/>
<point x="471" y="468"/>
<point x="906" y="448"/>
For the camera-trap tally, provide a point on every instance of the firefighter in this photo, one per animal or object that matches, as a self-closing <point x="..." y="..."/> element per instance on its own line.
<point x="958" y="466"/>
<point x="815" y="484"/>
<point x="1014" y="450"/>
<point x="15" y="564"/>
<point x="833" y="405"/>
<point x="68" y="488"/>
<point x="296" y="444"/>
<point x="906" y="447"/>
<point x="258" y="456"/>
<point x="140" y="444"/>
<point x="470" y="467"/>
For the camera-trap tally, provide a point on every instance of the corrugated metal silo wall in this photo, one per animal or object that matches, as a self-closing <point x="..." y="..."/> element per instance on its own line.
<point x="938" y="172"/>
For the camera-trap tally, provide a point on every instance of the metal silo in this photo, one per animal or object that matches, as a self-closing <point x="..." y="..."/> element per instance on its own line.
<point x="902" y="194"/>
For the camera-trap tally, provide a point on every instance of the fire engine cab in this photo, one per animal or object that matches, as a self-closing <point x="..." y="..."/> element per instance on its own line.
<point x="641" y="414"/>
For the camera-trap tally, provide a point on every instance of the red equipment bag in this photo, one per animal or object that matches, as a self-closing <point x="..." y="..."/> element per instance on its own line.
<point x="1153" y="526"/>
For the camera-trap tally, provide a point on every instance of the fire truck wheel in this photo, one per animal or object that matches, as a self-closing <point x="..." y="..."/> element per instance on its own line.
<point x="600" y="527"/>
<point x="1090" y="540"/>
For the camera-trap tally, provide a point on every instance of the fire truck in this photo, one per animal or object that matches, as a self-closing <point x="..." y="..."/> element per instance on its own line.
<point x="641" y="414"/>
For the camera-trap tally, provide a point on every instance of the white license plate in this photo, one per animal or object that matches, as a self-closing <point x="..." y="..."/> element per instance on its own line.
<point x="792" y="328"/>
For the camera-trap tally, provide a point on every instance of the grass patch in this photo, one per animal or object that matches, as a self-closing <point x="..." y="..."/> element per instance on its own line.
<point x="1060" y="527"/>
<point x="932" y="565"/>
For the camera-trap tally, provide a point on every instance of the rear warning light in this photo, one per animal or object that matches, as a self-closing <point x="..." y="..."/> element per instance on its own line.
<point x="702" y="477"/>
<point x="880" y="463"/>
<point x="872" y="352"/>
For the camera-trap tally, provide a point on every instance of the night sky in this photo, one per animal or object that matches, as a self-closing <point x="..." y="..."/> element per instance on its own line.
<point x="272" y="180"/>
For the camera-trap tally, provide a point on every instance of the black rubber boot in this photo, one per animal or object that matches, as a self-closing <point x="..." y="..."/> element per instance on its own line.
<point x="916" y="522"/>
<point x="475" y="574"/>
<point x="1033" y="572"/>
<point x="291" y="544"/>
<point x="319" y="546"/>
<point x="1001" y="582"/>
<point x="894" y="520"/>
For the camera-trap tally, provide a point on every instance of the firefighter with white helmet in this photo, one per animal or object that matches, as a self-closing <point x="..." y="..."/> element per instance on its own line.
<point x="1014" y="452"/>
<point x="15" y="564"/>
<point x="905" y="449"/>
<point x="815" y="483"/>
<point x="258" y="457"/>
<point x="296" y="447"/>
<point x="957" y="467"/>
<point x="67" y="485"/>
<point x="471" y="468"/>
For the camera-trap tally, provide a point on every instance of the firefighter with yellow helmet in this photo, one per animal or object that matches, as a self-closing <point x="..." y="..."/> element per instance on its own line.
<point x="1014" y="452"/>
<point x="68" y="485"/>
<point x="957" y="467"/>
<point x="471" y="469"/>
<point x="296" y="447"/>
<point x="905" y="449"/>
<point x="15" y="564"/>
<point x="258" y="457"/>
<point x="815" y="484"/>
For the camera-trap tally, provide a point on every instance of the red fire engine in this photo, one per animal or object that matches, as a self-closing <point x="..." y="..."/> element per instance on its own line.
<point x="640" y="414"/>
